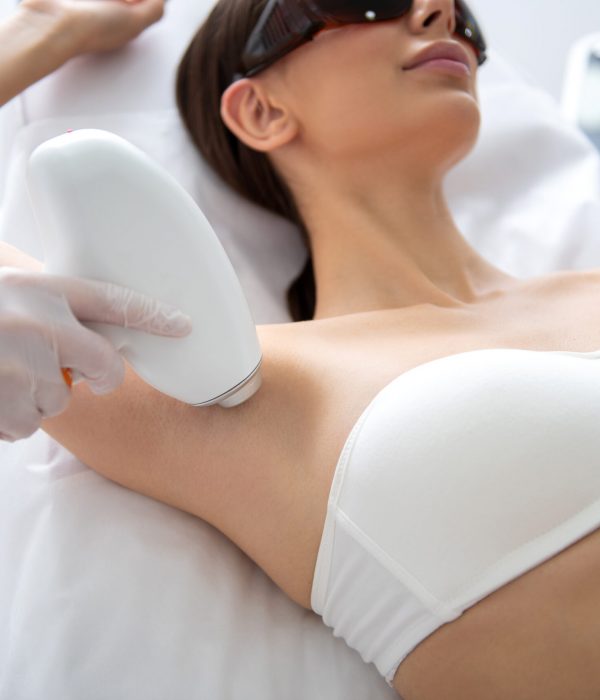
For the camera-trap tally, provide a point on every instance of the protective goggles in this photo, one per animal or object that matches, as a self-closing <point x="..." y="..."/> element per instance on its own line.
<point x="284" y="25"/>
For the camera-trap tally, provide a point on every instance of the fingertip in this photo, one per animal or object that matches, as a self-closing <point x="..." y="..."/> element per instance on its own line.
<point x="180" y="325"/>
<point x="172" y="323"/>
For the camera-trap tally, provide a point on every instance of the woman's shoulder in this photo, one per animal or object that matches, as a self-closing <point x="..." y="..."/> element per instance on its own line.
<point x="564" y="284"/>
<point x="565" y="303"/>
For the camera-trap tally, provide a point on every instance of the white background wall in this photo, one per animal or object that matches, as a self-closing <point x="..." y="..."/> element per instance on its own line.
<point x="535" y="35"/>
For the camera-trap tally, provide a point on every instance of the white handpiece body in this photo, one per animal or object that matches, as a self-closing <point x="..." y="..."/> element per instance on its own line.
<point x="107" y="212"/>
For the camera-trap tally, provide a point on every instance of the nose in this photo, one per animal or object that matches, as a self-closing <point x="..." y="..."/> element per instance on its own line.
<point x="435" y="17"/>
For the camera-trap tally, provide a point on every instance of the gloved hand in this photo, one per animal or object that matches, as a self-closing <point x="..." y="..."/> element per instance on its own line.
<point x="40" y="332"/>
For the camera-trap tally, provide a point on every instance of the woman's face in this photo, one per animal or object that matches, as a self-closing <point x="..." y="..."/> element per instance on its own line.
<point x="353" y="96"/>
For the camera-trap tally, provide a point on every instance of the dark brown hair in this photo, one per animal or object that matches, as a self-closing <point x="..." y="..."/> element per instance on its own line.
<point x="205" y="71"/>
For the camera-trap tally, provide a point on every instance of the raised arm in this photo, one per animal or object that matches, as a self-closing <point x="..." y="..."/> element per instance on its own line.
<point x="241" y="469"/>
<point x="41" y="35"/>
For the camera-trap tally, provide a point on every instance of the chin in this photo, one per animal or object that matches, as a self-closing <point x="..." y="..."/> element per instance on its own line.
<point x="459" y="129"/>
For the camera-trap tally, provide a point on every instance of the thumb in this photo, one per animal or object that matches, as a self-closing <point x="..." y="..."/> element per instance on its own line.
<point x="89" y="356"/>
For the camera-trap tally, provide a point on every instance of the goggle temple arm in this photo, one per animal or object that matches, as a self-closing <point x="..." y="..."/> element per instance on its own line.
<point x="283" y="26"/>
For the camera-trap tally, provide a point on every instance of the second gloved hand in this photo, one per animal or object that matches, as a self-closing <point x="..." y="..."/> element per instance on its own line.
<point x="40" y="332"/>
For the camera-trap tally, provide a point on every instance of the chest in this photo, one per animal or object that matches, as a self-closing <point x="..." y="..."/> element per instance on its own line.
<point x="328" y="373"/>
<point x="351" y="365"/>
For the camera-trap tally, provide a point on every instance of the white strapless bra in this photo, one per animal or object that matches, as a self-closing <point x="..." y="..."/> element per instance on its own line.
<point x="462" y="474"/>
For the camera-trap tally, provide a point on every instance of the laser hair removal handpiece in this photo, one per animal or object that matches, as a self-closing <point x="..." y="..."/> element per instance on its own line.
<point x="107" y="212"/>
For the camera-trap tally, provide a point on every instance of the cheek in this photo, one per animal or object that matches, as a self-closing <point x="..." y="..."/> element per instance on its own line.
<point x="355" y="108"/>
<point x="341" y="84"/>
<point x="359" y="115"/>
<point x="353" y="99"/>
<point x="404" y="128"/>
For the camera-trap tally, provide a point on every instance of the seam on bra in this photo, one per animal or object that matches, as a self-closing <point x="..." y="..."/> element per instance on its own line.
<point x="414" y="586"/>
<point x="323" y="565"/>
<point x="398" y="651"/>
<point x="447" y="611"/>
<point x="515" y="552"/>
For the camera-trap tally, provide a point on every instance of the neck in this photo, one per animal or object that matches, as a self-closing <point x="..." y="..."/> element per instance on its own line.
<point x="391" y="246"/>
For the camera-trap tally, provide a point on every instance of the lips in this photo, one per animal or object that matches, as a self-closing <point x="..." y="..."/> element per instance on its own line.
<point x="449" y="50"/>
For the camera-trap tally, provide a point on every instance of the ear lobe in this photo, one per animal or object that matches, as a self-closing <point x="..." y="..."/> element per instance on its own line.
<point x="249" y="112"/>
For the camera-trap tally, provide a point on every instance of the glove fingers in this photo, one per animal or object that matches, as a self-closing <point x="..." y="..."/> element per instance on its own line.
<point x="29" y="420"/>
<point x="36" y="377"/>
<point x="57" y="340"/>
<point x="91" y="356"/>
<point x="102" y="302"/>
<point x="51" y="397"/>
<point x="20" y="417"/>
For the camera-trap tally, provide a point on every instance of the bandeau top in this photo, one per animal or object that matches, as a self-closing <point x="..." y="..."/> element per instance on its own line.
<point x="460" y="475"/>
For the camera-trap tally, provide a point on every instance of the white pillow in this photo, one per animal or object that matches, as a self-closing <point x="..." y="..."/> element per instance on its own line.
<point x="107" y="594"/>
<point x="528" y="196"/>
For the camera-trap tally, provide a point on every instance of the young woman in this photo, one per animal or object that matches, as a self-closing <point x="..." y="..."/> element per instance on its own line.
<point x="420" y="465"/>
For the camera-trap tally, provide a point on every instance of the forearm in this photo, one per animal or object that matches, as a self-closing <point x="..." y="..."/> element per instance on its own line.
<point x="32" y="45"/>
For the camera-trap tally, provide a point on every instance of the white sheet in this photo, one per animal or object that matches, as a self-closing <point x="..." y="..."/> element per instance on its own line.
<point x="107" y="594"/>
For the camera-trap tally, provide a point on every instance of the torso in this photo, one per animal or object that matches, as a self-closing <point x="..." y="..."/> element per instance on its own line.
<point x="339" y="365"/>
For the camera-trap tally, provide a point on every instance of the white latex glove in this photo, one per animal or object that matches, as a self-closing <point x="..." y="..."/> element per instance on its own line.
<point x="40" y="332"/>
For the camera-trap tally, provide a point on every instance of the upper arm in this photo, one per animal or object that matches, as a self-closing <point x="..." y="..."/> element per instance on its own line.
<point x="187" y="456"/>
<point x="242" y="469"/>
<point x="142" y="439"/>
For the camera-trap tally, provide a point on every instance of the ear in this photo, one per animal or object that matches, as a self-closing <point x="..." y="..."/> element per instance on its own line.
<point x="251" y="113"/>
